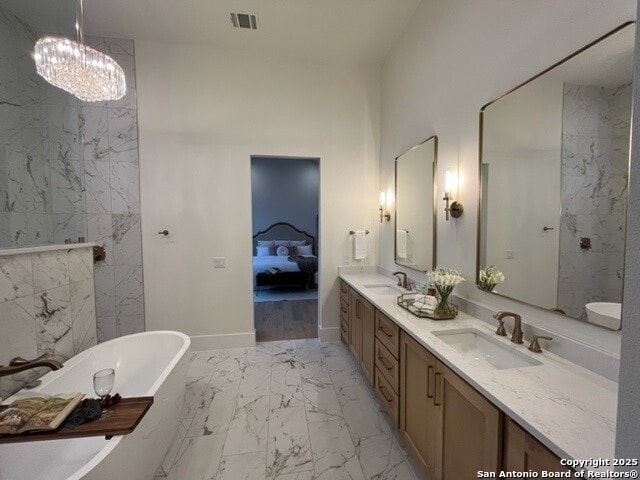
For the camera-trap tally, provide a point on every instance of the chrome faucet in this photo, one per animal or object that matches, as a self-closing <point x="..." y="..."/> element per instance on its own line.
<point x="516" y="336"/>
<point x="19" y="364"/>
<point x="404" y="283"/>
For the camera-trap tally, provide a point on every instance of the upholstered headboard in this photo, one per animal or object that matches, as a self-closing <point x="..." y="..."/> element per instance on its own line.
<point x="284" y="231"/>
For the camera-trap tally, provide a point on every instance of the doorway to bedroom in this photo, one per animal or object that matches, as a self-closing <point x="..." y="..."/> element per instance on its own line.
<point x="285" y="211"/>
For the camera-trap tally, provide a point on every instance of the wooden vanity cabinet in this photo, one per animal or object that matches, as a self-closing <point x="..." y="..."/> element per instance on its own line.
<point x="469" y="428"/>
<point x="523" y="452"/>
<point x="451" y="428"/>
<point x="344" y="312"/>
<point x="362" y="332"/>
<point x="418" y="414"/>
<point x="354" y="324"/>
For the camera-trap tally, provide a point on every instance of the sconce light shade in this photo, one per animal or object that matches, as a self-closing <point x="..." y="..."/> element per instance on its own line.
<point x="384" y="215"/>
<point x="455" y="209"/>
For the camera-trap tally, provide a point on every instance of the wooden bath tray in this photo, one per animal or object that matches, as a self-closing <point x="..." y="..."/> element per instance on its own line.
<point x="120" y="419"/>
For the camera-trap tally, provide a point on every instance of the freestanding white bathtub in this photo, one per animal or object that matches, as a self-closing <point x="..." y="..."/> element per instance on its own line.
<point x="146" y="364"/>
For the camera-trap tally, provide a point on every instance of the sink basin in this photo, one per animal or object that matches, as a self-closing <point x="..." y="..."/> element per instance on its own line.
<point x="605" y="314"/>
<point x="384" y="289"/>
<point x="486" y="349"/>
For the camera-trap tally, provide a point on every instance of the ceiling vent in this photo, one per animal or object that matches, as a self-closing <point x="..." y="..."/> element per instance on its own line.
<point x="244" y="20"/>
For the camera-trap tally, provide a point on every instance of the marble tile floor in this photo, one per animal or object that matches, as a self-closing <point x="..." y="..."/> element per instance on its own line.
<point x="289" y="410"/>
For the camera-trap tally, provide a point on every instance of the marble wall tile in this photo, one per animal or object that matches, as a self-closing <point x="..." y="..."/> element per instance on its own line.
<point x="63" y="130"/>
<point x="50" y="270"/>
<point x="83" y="315"/>
<point x="68" y="226"/>
<point x="31" y="229"/>
<point x="18" y="337"/>
<point x="94" y="133"/>
<point x="118" y="46"/>
<point x="125" y="188"/>
<point x="105" y="290"/>
<point x="53" y="323"/>
<point x="123" y="135"/>
<point x="97" y="183"/>
<point x="100" y="231"/>
<point x="80" y="264"/>
<point x="26" y="183"/>
<point x="127" y="239"/>
<point x="16" y="277"/>
<point x="67" y="181"/>
<point x="127" y="62"/>
<point x="106" y="327"/>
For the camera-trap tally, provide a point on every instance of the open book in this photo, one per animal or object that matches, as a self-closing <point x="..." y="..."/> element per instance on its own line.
<point x="42" y="412"/>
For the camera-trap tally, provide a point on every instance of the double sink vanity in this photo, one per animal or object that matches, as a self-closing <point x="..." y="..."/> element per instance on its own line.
<point x="466" y="399"/>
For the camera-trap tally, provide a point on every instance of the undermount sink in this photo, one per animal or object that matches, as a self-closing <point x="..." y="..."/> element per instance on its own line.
<point x="605" y="314"/>
<point x="384" y="289"/>
<point x="486" y="349"/>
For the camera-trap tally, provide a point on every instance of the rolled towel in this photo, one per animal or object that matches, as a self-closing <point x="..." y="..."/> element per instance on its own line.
<point x="423" y="307"/>
<point x="428" y="300"/>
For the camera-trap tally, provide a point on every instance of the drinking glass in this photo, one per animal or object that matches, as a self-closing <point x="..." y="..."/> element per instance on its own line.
<point x="103" y="382"/>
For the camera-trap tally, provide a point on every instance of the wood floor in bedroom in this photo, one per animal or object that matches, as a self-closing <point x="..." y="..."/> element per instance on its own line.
<point x="287" y="320"/>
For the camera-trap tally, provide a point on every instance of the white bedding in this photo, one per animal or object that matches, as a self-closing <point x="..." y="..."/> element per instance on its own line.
<point x="260" y="264"/>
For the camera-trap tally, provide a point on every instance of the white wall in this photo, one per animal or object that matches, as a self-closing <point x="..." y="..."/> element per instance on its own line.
<point x="628" y="425"/>
<point x="522" y="149"/>
<point x="453" y="58"/>
<point x="202" y="114"/>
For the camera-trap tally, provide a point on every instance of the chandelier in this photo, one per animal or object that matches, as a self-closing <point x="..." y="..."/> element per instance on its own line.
<point x="83" y="71"/>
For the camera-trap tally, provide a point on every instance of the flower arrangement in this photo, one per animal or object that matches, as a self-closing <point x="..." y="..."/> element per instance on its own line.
<point x="445" y="280"/>
<point x="489" y="278"/>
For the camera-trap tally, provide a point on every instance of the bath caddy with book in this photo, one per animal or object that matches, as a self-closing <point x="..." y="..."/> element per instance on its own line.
<point x="34" y="416"/>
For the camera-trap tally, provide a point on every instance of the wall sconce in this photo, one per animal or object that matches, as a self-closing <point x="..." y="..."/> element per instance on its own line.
<point x="383" y="204"/>
<point x="451" y="184"/>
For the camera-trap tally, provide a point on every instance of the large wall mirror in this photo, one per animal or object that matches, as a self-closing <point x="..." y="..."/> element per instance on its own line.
<point x="554" y="164"/>
<point x="415" y="218"/>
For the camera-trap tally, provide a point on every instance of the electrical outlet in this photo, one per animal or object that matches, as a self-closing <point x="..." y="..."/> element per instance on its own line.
<point x="345" y="260"/>
<point x="219" y="262"/>
<point x="511" y="254"/>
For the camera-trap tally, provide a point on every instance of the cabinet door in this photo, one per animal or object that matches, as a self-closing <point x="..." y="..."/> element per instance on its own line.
<point x="522" y="452"/>
<point x="469" y="428"/>
<point x="418" y="414"/>
<point x="367" y="342"/>
<point x="354" y="324"/>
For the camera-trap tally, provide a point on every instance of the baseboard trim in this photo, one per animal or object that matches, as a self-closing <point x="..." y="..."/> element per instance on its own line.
<point x="228" y="340"/>
<point x="329" y="335"/>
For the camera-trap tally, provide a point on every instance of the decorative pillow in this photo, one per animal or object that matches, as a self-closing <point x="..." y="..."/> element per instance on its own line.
<point x="282" y="251"/>
<point x="298" y="243"/>
<point x="293" y="250"/>
<point x="265" y="243"/>
<point x="279" y="243"/>
<point x="262" y="251"/>
<point x="304" y="250"/>
<point x="272" y="250"/>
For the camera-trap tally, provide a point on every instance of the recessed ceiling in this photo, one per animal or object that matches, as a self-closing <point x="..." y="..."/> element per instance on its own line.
<point x="343" y="30"/>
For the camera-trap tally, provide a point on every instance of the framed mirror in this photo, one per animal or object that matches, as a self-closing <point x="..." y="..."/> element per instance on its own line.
<point x="415" y="217"/>
<point x="554" y="159"/>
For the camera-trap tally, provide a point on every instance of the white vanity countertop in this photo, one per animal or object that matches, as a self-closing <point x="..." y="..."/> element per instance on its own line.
<point x="567" y="407"/>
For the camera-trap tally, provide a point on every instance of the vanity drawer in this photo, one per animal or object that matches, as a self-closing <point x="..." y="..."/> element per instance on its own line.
<point x="388" y="333"/>
<point x="388" y="366"/>
<point x="344" y="310"/>
<point x="344" y="337"/>
<point x="344" y="326"/>
<point x="344" y="291"/>
<point x="388" y="397"/>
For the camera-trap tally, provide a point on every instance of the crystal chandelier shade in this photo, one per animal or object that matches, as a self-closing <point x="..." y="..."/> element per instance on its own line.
<point x="83" y="71"/>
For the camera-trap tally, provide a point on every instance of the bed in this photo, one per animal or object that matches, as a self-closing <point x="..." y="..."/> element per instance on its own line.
<point x="293" y="268"/>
